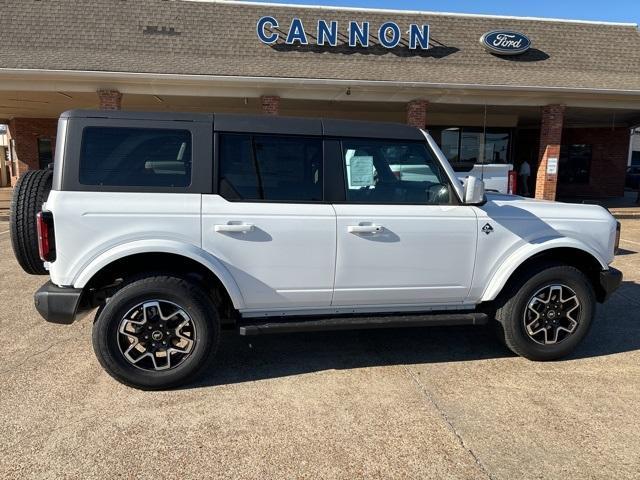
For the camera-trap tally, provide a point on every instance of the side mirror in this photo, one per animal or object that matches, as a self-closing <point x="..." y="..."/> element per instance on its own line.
<point x="473" y="191"/>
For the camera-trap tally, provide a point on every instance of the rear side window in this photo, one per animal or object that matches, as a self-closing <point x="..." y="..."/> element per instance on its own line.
<point x="136" y="157"/>
<point x="270" y="168"/>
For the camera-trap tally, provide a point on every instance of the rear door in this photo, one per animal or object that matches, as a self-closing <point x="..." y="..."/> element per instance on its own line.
<point x="268" y="223"/>
<point x="402" y="237"/>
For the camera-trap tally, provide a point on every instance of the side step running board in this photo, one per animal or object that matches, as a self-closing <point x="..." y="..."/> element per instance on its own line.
<point x="314" y="324"/>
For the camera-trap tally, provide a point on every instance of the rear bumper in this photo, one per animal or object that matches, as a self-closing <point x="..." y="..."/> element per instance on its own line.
<point x="610" y="280"/>
<point x="56" y="304"/>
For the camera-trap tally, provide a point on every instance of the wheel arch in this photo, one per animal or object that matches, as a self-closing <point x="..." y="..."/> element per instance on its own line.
<point x="167" y="256"/>
<point x="584" y="259"/>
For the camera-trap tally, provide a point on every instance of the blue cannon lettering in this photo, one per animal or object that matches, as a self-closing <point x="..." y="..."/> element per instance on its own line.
<point x="326" y="33"/>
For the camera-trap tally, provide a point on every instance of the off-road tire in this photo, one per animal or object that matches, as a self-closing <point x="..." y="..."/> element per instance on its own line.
<point x="180" y="291"/>
<point x="513" y="301"/>
<point x="29" y="194"/>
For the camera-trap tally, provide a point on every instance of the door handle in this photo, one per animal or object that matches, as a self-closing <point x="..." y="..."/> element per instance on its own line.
<point x="364" y="228"/>
<point x="234" y="227"/>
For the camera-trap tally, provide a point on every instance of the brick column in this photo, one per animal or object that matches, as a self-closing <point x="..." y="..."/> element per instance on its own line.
<point x="110" y="99"/>
<point x="270" y="104"/>
<point x="550" y="140"/>
<point x="417" y="113"/>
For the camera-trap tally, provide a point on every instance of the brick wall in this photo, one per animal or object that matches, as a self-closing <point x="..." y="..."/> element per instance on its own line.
<point x="417" y="113"/>
<point x="26" y="132"/>
<point x="609" y="154"/>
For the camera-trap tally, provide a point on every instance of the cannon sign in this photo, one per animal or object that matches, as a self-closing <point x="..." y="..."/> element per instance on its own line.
<point x="356" y="34"/>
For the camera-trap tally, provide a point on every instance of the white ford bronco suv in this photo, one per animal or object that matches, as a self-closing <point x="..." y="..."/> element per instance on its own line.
<point x="175" y="226"/>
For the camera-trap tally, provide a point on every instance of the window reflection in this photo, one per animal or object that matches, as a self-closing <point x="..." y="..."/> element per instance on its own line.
<point x="496" y="147"/>
<point x="465" y="147"/>
<point x="575" y="163"/>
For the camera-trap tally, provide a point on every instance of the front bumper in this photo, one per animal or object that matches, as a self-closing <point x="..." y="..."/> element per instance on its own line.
<point x="58" y="305"/>
<point x="610" y="280"/>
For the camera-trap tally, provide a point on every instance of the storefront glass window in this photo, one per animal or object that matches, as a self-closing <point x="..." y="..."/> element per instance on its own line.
<point x="496" y="147"/>
<point x="465" y="147"/>
<point x="575" y="163"/>
<point x="450" y="143"/>
<point x="471" y="146"/>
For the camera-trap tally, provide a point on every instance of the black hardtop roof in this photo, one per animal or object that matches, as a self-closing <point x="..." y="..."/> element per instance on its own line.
<point x="132" y="115"/>
<point x="266" y="124"/>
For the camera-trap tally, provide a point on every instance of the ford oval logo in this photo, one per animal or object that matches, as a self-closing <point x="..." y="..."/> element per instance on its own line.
<point x="505" y="42"/>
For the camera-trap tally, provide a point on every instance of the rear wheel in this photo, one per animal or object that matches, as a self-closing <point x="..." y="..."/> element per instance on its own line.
<point x="29" y="194"/>
<point x="544" y="315"/>
<point x="156" y="332"/>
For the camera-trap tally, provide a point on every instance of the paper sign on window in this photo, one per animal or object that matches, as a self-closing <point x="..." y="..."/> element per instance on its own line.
<point x="361" y="171"/>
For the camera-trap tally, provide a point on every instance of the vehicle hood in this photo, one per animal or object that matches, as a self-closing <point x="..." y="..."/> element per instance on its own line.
<point x="546" y="208"/>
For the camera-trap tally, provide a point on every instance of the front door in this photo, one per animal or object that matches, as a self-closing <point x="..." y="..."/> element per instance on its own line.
<point x="402" y="238"/>
<point x="268" y="224"/>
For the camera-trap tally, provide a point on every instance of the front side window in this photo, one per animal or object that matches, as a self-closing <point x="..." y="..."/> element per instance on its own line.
<point x="393" y="172"/>
<point x="270" y="168"/>
<point x="136" y="157"/>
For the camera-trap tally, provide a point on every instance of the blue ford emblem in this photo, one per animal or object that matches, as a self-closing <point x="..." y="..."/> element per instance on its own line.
<point x="505" y="42"/>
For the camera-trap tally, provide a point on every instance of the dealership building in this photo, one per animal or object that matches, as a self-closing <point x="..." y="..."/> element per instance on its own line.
<point x="561" y="95"/>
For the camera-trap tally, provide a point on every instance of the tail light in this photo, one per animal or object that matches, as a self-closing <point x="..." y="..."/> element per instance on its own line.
<point x="513" y="182"/>
<point x="46" y="238"/>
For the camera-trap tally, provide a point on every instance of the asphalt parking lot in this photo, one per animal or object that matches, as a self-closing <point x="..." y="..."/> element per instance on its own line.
<point x="425" y="403"/>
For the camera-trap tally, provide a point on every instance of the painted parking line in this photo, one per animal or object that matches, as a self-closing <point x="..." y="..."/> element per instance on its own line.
<point x="6" y="231"/>
<point x="629" y="241"/>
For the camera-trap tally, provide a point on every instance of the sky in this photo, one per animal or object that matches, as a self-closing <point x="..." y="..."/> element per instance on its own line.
<point x="627" y="11"/>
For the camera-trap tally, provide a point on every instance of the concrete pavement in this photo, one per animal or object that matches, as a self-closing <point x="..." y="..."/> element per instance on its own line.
<point x="419" y="403"/>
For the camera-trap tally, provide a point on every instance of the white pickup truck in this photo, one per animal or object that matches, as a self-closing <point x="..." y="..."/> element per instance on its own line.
<point x="498" y="177"/>
<point x="174" y="226"/>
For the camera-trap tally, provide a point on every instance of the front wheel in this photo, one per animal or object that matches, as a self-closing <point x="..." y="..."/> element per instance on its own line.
<point x="544" y="315"/>
<point x="156" y="332"/>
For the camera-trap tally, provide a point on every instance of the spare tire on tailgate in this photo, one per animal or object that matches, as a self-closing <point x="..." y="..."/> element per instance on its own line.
<point x="29" y="194"/>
